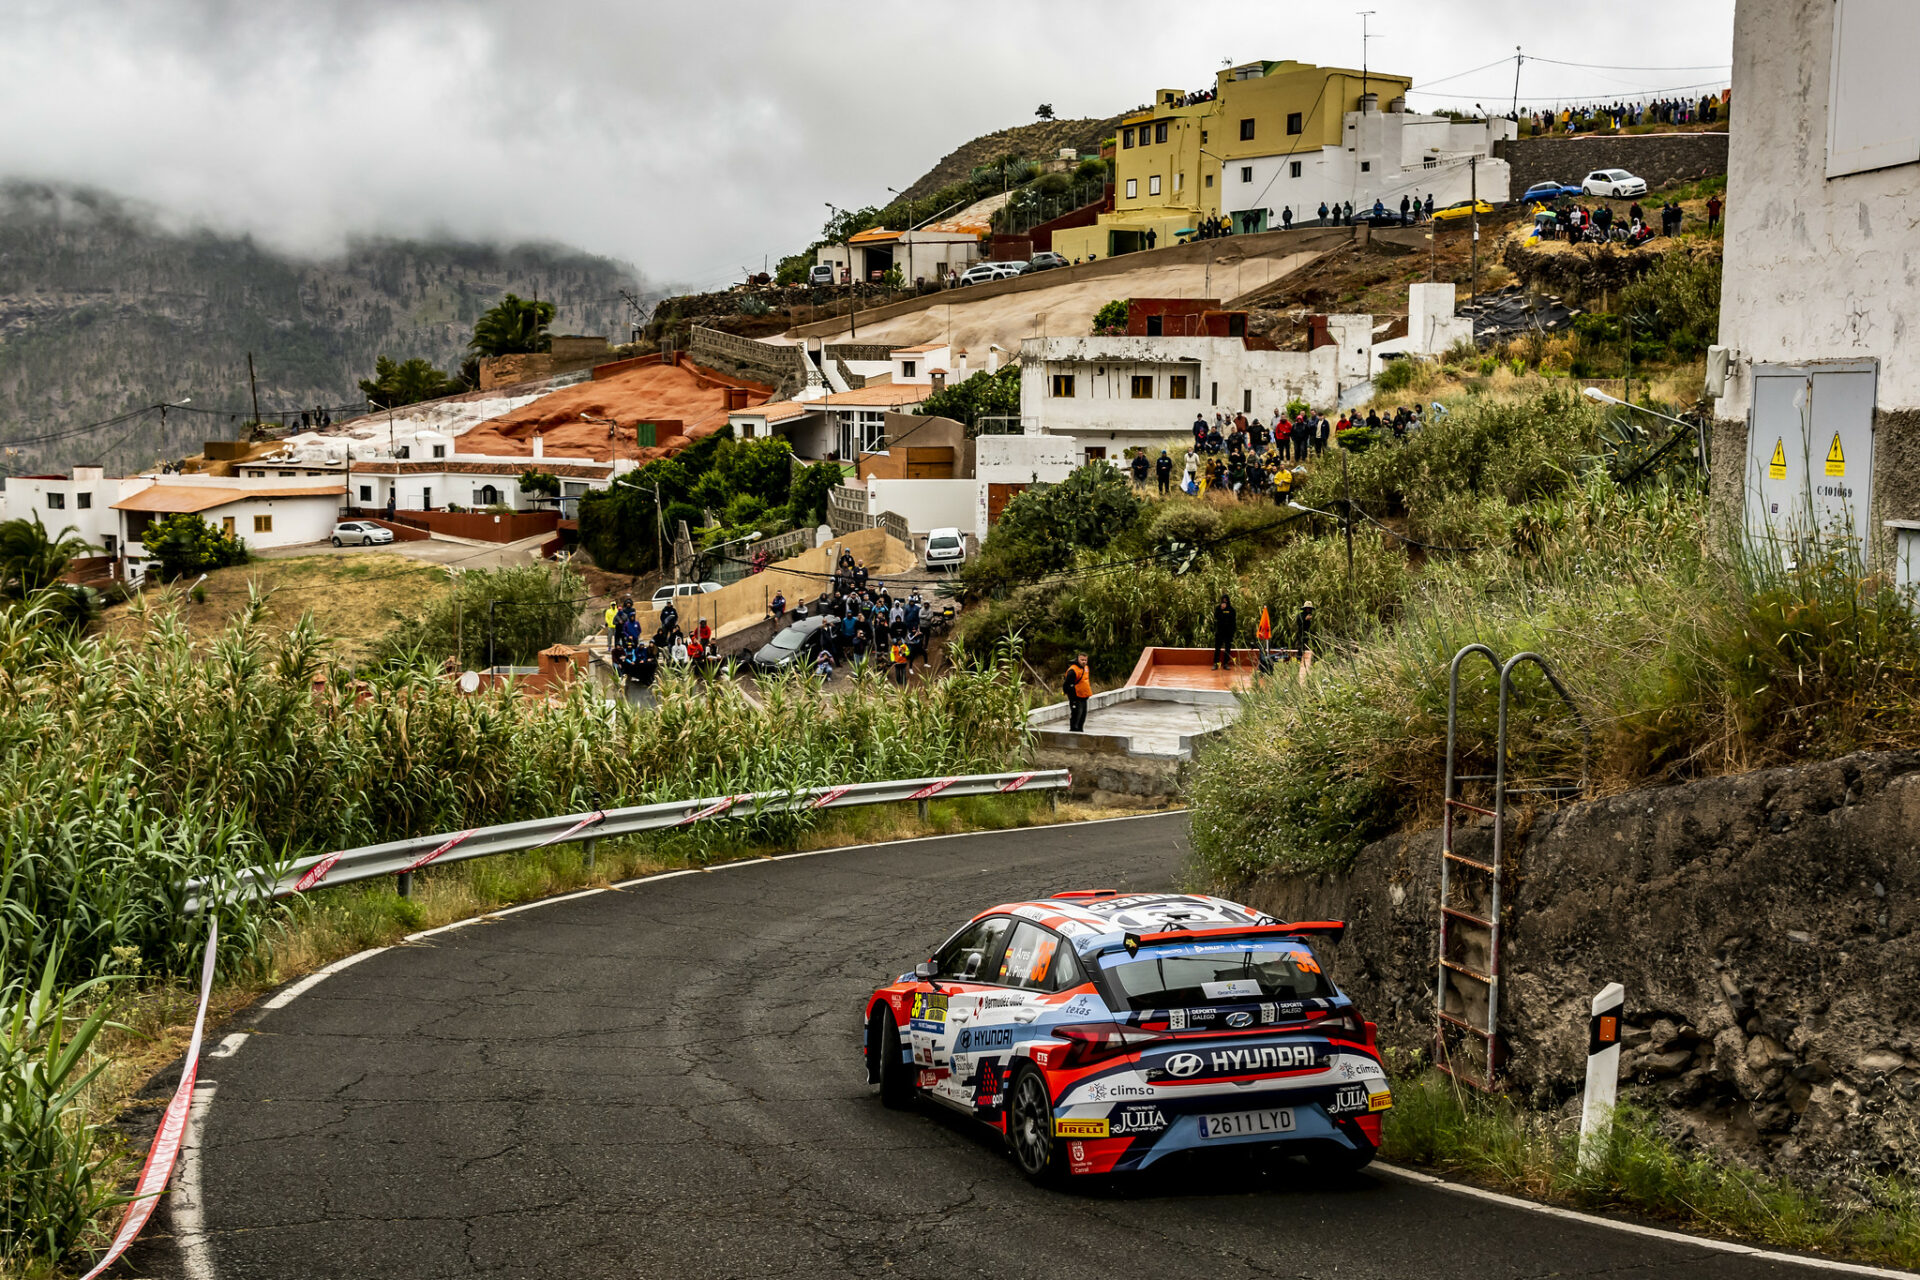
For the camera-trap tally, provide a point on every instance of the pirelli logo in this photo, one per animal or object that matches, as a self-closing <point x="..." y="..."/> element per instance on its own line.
<point x="1379" y="1101"/>
<point x="1079" y="1128"/>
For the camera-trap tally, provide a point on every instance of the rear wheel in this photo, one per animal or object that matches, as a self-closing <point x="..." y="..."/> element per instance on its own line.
<point x="1332" y="1158"/>
<point x="896" y="1078"/>
<point x="336" y="542"/>
<point x="1030" y="1129"/>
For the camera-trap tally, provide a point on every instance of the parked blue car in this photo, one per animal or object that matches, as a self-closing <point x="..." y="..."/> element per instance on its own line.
<point x="1547" y="191"/>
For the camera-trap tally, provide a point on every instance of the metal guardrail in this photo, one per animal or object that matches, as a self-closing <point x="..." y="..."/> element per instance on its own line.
<point x="401" y="858"/>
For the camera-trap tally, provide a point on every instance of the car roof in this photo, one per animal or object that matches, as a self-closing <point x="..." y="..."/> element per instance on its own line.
<point x="1094" y="918"/>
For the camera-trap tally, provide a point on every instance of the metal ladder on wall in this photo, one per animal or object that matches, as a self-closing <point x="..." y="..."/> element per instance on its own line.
<point x="1467" y="976"/>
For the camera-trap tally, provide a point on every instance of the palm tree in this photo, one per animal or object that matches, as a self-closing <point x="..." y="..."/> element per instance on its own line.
<point x="513" y="326"/>
<point x="30" y="560"/>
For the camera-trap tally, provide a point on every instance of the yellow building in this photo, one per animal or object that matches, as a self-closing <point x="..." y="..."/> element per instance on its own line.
<point x="1169" y="157"/>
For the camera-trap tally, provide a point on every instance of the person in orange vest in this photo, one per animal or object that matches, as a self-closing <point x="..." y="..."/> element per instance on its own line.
<point x="1079" y="688"/>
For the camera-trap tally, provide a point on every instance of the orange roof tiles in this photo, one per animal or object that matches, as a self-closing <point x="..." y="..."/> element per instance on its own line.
<point x="887" y="394"/>
<point x="171" y="499"/>
<point x="875" y="235"/>
<point x="780" y="410"/>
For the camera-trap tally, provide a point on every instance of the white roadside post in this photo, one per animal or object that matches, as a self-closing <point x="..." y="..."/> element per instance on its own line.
<point x="1603" y="1067"/>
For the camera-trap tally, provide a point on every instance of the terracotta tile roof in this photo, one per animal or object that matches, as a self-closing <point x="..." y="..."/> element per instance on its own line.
<point x="168" y="499"/>
<point x="876" y="235"/>
<point x="505" y="466"/>
<point x="779" y="410"/>
<point x="887" y="394"/>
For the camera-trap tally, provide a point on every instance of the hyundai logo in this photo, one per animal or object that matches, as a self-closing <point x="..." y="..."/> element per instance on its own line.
<point x="1184" y="1064"/>
<point x="1239" y="1019"/>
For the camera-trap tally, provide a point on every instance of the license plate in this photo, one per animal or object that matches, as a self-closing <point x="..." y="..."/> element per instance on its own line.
<point x="1246" y="1124"/>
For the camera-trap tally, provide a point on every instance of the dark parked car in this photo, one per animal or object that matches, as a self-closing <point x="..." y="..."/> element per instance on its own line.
<point x="800" y="642"/>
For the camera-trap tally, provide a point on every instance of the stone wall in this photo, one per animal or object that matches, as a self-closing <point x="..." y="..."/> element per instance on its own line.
<point x="1764" y="926"/>
<point x="781" y="366"/>
<point x="1661" y="158"/>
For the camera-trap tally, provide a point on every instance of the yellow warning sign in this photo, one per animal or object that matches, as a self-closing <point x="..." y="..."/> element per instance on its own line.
<point x="1777" y="469"/>
<point x="1836" y="460"/>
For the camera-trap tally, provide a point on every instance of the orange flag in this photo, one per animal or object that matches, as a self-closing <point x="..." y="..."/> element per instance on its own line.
<point x="1266" y="625"/>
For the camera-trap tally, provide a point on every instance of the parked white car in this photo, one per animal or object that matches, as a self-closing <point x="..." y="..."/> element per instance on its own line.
<point x="1617" y="183"/>
<point x="945" y="547"/>
<point x="360" y="533"/>
<point x="981" y="272"/>
<point x="663" y="594"/>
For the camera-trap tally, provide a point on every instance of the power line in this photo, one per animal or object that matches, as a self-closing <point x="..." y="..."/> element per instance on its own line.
<point x="1572" y="97"/>
<point x="1602" y="66"/>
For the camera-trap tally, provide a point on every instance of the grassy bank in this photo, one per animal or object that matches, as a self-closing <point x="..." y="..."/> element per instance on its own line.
<point x="137" y="760"/>
<point x="1492" y="1143"/>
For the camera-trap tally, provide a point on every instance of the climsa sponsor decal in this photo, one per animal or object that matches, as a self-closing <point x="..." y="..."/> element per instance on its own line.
<point x="1102" y="1090"/>
<point x="929" y="1011"/>
<point x="983" y="1039"/>
<point x="1127" y="1122"/>
<point x="1079" y="1128"/>
<point x="1251" y="1060"/>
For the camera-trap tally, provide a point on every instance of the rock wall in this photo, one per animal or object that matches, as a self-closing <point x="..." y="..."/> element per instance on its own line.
<point x="1660" y="158"/>
<point x="1764" y="926"/>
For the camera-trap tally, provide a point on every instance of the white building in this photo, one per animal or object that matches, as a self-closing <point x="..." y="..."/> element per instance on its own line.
<point x="1385" y="155"/>
<point x="82" y="501"/>
<point x="924" y="253"/>
<point x="475" y="480"/>
<point x="1818" y="414"/>
<point x="1432" y="328"/>
<point x="263" y="514"/>
<point x="1113" y="393"/>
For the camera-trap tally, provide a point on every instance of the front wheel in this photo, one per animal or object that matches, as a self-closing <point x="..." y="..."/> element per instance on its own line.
<point x="896" y="1078"/>
<point x="1030" y="1129"/>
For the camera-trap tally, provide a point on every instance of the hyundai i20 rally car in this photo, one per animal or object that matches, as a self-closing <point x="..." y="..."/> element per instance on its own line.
<point x="1101" y="1032"/>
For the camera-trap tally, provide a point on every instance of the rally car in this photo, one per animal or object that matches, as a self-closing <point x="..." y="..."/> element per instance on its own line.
<point x="1100" y="1032"/>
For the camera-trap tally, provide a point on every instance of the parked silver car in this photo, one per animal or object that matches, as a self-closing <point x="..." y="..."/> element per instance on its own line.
<point x="360" y="533"/>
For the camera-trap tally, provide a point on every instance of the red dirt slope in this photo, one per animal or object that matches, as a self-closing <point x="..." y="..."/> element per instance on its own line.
<point x="685" y="401"/>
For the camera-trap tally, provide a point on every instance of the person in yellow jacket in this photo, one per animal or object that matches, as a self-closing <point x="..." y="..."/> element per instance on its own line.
<point x="1079" y="688"/>
<point x="902" y="656"/>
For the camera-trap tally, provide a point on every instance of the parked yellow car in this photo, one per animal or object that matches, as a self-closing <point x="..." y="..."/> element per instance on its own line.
<point x="1462" y="209"/>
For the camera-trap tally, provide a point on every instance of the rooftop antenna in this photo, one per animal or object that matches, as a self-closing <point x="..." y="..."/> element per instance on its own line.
<point x="1364" y="37"/>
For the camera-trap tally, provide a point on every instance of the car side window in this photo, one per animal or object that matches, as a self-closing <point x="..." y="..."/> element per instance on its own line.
<point x="1030" y="956"/>
<point x="967" y="957"/>
<point x="1066" y="973"/>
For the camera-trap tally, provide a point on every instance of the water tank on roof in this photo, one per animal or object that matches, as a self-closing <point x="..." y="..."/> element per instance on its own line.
<point x="1369" y="102"/>
<point x="1397" y="105"/>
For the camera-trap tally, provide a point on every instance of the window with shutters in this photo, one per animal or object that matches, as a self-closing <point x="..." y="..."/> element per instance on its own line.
<point x="1177" y="386"/>
<point x="1153" y="185"/>
<point x="263" y="524"/>
<point x="1062" y="385"/>
<point x="1133" y="188"/>
<point x="1143" y="386"/>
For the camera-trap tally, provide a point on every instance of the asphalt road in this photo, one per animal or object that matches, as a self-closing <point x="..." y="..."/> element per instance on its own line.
<point x="666" y="1082"/>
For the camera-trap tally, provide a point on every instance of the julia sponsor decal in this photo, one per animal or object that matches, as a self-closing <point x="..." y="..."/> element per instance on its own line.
<point x="984" y="1039"/>
<point x="1131" y="1121"/>
<point x="929" y="1011"/>
<point x="1237" y="1062"/>
<point x="1079" y="1128"/>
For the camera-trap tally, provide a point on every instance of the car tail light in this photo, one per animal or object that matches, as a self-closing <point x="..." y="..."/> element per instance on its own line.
<point x="1347" y="1024"/>
<point x="1373" y="1037"/>
<point x="1091" y="1042"/>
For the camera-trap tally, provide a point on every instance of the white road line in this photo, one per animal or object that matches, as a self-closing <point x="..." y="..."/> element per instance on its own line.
<point x="1634" y="1228"/>
<point x="229" y="1046"/>
<point x="319" y="976"/>
<point x="187" y="1202"/>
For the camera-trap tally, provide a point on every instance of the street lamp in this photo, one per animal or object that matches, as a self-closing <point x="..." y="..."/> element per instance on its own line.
<point x="1598" y="396"/>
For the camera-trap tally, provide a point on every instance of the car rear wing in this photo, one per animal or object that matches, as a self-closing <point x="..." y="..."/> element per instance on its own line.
<point x="1332" y="930"/>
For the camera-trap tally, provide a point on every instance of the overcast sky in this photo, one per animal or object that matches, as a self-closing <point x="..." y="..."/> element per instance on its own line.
<point x="690" y="139"/>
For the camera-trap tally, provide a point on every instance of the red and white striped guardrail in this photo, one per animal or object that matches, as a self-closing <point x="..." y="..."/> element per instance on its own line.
<point x="402" y="857"/>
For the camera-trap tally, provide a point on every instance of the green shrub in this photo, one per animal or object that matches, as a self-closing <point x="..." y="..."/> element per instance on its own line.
<point x="1680" y="299"/>
<point x="503" y="616"/>
<point x="1111" y="318"/>
<point x="1395" y="377"/>
<point x="184" y="544"/>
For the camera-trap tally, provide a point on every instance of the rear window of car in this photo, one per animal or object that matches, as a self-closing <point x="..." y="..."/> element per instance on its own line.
<point x="943" y="544"/>
<point x="1216" y="973"/>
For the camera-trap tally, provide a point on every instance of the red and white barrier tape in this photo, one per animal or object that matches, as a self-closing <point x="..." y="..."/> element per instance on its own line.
<point x="714" y="810"/>
<point x="315" y="873"/>
<point x="933" y="788"/>
<point x="828" y="796"/>
<point x="165" y="1152"/>
<point x="589" y="820"/>
<point x="1018" y="782"/>
<point x="424" y="859"/>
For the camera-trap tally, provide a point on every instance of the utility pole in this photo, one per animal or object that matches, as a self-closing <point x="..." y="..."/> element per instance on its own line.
<point x="1346" y="496"/>
<point x="1517" y="60"/>
<point x="659" y="529"/>
<point x="255" y="386"/>
<point x="1473" y="206"/>
<point x="1364" y="15"/>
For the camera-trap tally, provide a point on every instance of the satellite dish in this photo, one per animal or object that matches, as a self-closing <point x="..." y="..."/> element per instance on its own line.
<point x="469" y="682"/>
